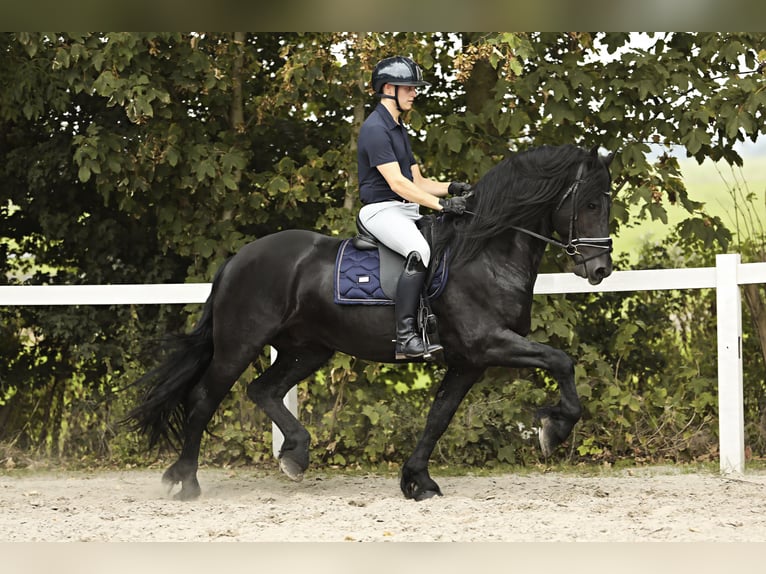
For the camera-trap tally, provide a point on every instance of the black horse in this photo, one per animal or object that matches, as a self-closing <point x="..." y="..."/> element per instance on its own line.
<point x="278" y="291"/>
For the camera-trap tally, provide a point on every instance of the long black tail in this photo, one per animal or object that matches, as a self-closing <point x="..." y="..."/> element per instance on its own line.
<point x="162" y="411"/>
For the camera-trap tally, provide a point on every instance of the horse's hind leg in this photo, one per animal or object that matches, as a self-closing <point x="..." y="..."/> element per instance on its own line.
<point x="200" y="406"/>
<point x="268" y="391"/>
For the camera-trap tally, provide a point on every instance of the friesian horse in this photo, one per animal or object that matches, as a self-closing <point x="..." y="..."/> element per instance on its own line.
<point x="278" y="290"/>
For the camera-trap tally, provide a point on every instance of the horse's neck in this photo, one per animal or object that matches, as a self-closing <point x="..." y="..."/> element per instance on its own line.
<point x="518" y="254"/>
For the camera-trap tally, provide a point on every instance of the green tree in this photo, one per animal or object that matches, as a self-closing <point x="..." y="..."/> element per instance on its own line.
<point x="150" y="157"/>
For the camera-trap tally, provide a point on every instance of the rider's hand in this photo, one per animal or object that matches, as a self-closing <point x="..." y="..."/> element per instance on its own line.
<point x="459" y="188"/>
<point x="454" y="205"/>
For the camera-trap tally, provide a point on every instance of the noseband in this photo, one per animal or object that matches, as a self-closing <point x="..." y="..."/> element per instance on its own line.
<point x="573" y="244"/>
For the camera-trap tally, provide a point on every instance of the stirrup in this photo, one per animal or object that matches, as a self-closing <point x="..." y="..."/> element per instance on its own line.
<point x="430" y="349"/>
<point x="428" y="325"/>
<point x="401" y="347"/>
<point x="425" y="351"/>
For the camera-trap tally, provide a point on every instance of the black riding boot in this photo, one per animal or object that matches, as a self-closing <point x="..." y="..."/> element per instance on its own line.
<point x="409" y="344"/>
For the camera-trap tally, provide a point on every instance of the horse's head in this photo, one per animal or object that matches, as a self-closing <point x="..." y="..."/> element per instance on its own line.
<point x="582" y="218"/>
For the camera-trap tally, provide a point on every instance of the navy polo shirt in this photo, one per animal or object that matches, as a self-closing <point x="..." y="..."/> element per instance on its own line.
<point x="381" y="140"/>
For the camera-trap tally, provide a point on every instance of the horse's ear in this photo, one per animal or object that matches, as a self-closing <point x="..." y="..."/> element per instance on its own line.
<point x="607" y="159"/>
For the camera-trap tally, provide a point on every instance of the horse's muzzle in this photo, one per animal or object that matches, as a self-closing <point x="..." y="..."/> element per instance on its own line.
<point x="599" y="274"/>
<point x="595" y="270"/>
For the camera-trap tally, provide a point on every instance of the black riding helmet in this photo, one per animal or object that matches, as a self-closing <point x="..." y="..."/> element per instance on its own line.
<point x="397" y="71"/>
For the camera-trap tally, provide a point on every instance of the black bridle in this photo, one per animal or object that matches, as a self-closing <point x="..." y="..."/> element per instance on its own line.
<point x="573" y="244"/>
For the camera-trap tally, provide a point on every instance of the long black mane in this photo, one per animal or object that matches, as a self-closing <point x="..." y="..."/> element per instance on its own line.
<point x="522" y="190"/>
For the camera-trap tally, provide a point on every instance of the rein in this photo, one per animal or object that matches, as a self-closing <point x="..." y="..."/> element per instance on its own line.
<point x="573" y="244"/>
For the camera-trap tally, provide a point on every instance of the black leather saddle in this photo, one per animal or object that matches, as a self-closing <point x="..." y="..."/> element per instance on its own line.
<point x="391" y="263"/>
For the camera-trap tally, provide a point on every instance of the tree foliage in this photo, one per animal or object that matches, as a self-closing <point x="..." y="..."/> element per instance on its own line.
<point x="151" y="157"/>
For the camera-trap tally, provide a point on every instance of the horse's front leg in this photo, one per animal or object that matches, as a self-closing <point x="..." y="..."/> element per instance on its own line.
<point x="556" y="421"/>
<point x="416" y="482"/>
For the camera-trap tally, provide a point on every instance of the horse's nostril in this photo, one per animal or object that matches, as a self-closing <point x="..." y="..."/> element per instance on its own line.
<point x="597" y="275"/>
<point x="603" y="272"/>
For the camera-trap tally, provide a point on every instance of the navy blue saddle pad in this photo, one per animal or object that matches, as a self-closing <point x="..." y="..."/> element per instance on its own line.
<point x="358" y="277"/>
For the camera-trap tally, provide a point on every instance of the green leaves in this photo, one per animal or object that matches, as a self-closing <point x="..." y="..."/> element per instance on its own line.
<point x="278" y="185"/>
<point x="695" y="139"/>
<point x="454" y="140"/>
<point x="152" y="157"/>
<point x="709" y="230"/>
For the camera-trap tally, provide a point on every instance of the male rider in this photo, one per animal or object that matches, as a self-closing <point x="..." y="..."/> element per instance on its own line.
<point x="392" y="189"/>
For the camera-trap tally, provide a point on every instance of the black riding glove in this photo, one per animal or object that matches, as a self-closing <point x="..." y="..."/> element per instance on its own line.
<point x="459" y="188"/>
<point x="454" y="205"/>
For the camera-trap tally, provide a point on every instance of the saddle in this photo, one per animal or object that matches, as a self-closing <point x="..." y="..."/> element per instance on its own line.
<point x="391" y="262"/>
<point x="367" y="272"/>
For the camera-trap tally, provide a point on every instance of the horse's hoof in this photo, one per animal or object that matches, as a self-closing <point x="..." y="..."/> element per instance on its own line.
<point x="291" y="468"/>
<point x="190" y="491"/>
<point x="544" y="437"/>
<point x="426" y="494"/>
<point x="188" y="494"/>
<point x="169" y="484"/>
<point x="190" y="488"/>
<point x="413" y="491"/>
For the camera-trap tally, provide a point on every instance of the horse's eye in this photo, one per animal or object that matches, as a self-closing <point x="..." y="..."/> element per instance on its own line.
<point x="592" y="205"/>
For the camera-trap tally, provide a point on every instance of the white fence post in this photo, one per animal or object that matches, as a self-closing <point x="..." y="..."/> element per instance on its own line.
<point x="291" y="402"/>
<point x="731" y="416"/>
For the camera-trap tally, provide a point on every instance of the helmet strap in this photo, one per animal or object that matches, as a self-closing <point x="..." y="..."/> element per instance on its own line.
<point x="395" y="98"/>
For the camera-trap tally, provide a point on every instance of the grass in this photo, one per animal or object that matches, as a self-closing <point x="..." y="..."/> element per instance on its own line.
<point x="722" y="189"/>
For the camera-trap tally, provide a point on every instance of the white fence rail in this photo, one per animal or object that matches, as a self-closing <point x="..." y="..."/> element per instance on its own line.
<point x="726" y="277"/>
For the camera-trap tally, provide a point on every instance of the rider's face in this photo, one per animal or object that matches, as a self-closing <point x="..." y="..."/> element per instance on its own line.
<point x="407" y="96"/>
<point x="404" y="94"/>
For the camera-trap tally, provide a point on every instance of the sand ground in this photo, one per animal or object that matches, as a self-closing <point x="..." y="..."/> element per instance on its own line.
<point x="648" y="504"/>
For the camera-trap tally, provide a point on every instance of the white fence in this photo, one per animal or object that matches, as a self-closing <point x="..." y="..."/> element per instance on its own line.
<point x="726" y="277"/>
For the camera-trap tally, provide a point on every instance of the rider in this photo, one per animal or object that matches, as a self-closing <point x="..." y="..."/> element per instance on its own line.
<point x="392" y="189"/>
